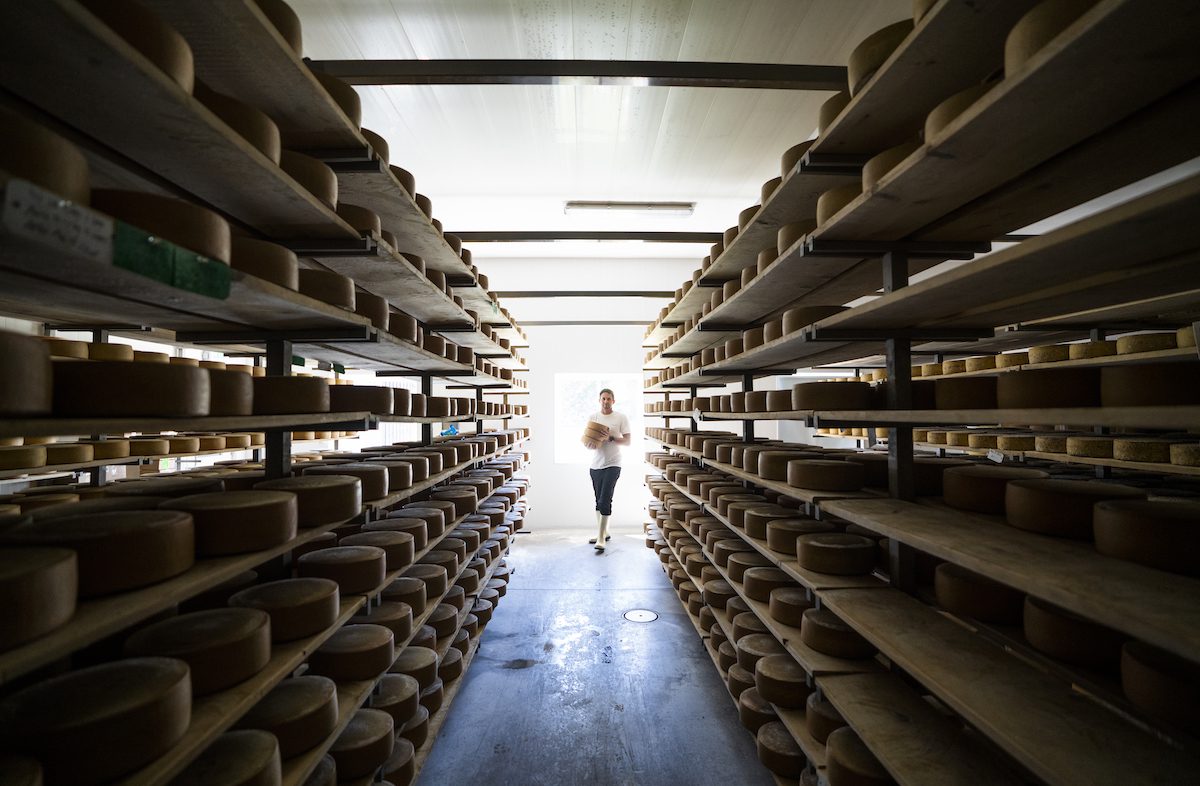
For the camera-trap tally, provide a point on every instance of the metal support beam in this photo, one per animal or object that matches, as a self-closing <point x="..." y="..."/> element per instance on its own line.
<point x="427" y="428"/>
<point x="901" y="557"/>
<point x="300" y="336"/>
<point x="278" y="460"/>
<point x="550" y="293"/>
<point x="532" y="236"/>
<point x="910" y="249"/>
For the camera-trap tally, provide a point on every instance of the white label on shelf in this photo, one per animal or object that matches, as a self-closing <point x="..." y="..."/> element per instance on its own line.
<point x="45" y="218"/>
<point x="996" y="456"/>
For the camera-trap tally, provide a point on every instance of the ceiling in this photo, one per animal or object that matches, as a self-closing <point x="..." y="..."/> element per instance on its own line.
<point x="505" y="157"/>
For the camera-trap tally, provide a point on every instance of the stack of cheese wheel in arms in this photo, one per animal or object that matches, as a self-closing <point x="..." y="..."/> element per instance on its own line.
<point x="594" y="435"/>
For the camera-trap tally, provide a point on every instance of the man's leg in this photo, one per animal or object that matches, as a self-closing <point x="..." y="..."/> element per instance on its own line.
<point x="610" y="485"/>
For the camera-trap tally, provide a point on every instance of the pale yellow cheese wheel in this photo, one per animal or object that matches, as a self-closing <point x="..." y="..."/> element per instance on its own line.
<point x="222" y="647"/>
<point x="833" y="200"/>
<point x="149" y="34"/>
<point x="22" y="456"/>
<point x="151" y="357"/>
<point x="183" y="444"/>
<point x="380" y="147"/>
<point x="37" y="591"/>
<point x="149" y="447"/>
<point x="1145" y="342"/>
<point x="184" y="224"/>
<point x="948" y="110"/>
<point x="1051" y="353"/>
<point x="287" y="24"/>
<point x="1043" y="23"/>
<point x="768" y="188"/>
<point x="1092" y="349"/>
<point x="314" y="176"/>
<point x="1186" y="454"/>
<point x="69" y="453"/>
<point x="830" y="109"/>
<point x="419" y="663"/>
<point x="874" y="50"/>
<point x="344" y="95"/>
<point x="34" y="153"/>
<point x="65" y="348"/>
<point x="354" y="652"/>
<point x="1011" y="359"/>
<point x="268" y="261"/>
<point x="321" y="499"/>
<point x="791" y="157"/>
<point x="249" y="123"/>
<point x="328" y="287"/>
<point x="825" y="632"/>
<point x="298" y="607"/>
<point x="1049" y="443"/>
<point x="981" y="363"/>
<point x="1090" y="447"/>
<point x="1148" y="450"/>
<point x="792" y="233"/>
<point x="879" y="165"/>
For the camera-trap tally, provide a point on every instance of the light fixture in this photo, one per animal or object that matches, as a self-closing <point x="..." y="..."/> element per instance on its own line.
<point x="658" y="208"/>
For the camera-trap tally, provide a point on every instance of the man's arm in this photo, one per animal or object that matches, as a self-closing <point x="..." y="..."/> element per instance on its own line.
<point x="626" y="438"/>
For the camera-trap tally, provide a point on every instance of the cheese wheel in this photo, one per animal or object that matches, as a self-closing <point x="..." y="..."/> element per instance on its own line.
<point x="792" y="233"/>
<point x="874" y="50"/>
<point x="831" y="395"/>
<point x="22" y="456"/>
<point x="268" y="261"/>
<point x="754" y="647"/>
<point x="1145" y="342"/>
<point x="34" y="153"/>
<point x="1069" y="637"/>
<point x="754" y="711"/>
<point x="981" y="488"/>
<point x="954" y="366"/>
<point x="237" y="758"/>
<point x="825" y="475"/>
<point x="1062" y="508"/>
<point x="416" y="731"/>
<point x="359" y="218"/>
<point x="354" y="652"/>
<point x="929" y="370"/>
<point x="116" y="551"/>
<point x="434" y="576"/>
<point x="850" y="763"/>
<point x="772" y="464"/>
<point x="237" y="522"/>
<point x="764" y="194"/>
<point x="149" y="34"/>
<point x="1160" y="533"/>
<point x="782" y="533"/>
<point x="1092" y="349"/>
<point x="788" y="161"/>
<point x="1147" y="450"/>
<point x="444" y="620"/>
<point x="965" y="393"/>
<point x="364" y="745"/>
<point x="780" y="680"/>
<point x="1038" y="27"/>
<point x="165" y="487"/>
<point x="983" y="363"/>
<point x="451" y="667"/>
<point x="417" y="662"/>
<point x="1150" y="385"/>
<point x="1011" y="359"/>
<point x="287" y="24"/>
<point x="1185" y="454"/>
<point x="328" y="287"/>
<point x="320" y="499"/>
<point x="405" y="178"/>
<point x="183" y="444"/>
<point x="1162" y="685"/>
<point x="147" y="699"/>
<point x="756" y="520"/>
<point x="217" y="442"/>
<point x="38" y="589"/>
<point x="1185" y="337"/>
<point x="1051" y="353"/>
<point x="830" y="109"/>
<point x="788" y="604"/>
<point x="356" y="569"/>
<point x="758" y="582"/>
<point x="822" y="630"/>
<point x="346" y="97"/>
<point x="969" y="594"/>
<point x="948" y="110"/>
<point x="1065" y="387"/>
<point x="249" y="123"/>
<point x="1016" y="442"/>
<point x="836" y="553"/>
<point x="64" y="348"/>
<point x="128" y="389"/>
<point x="738" y="680"/>
<point x="186" y="225"/>
<point x="879" y="165"/>
<point x="312" y="175"/>
<point x="832" y="201"/>
<point x="298" y="608"/>
<point x="821" y="718"/>
<point x="29" y="502"/>
<point x="409" y="590"/>
<point x="778" y="751"/>
<point x="101" y="351"/>
<point x="69" y="453"/>
<point x="359" y="398"/>
<point x="222" y="647"/>
<point x="1050" y="443"/>
<point x="397" y="695"/>
<point x="1091" y="447"/>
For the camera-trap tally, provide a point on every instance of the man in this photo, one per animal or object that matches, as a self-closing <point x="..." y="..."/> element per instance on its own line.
<point x="606" y="463"/>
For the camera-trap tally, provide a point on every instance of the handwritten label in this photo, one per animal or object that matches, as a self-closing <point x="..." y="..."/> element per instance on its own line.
<point x="996" y="456"/>
<point x="35" y="214"/>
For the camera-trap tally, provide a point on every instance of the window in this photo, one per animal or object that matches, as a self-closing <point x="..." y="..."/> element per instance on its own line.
<point x="576" y="396"/>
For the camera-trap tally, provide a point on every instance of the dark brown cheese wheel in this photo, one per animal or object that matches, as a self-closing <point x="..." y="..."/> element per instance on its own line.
<point x="25" y="381"/>
<point x="825" y="475"/>
<point x="780" y="680"/>
<point x="825" y="632"/>
<point x="399" y="473"/>
<point x="772" y="464"/>
<point x="320" y="499"/>
<point x="188" y="226"/>
<point x="836" y="553"/>
<point x="447" y="560"/>
<point x="969" y="594"/>
<point x="416" y="731"/>
<point x="324" y="774"/>
<point x="301" y="712"/>
<point x="222" y="646"/>
<point x="796" y="319"/>
<point x="1160" y="533"/>
<point x="417" y="528"/>
<point x="754" y="647"/>
<point x="290" y="395"/>
<point x="129" y="389"/>
<point x="432" y="697"/>
<point x="418" y="662"/>
<point x="725" y="500"/>
<point x="298" y="607"/>
<point x="724" y="549"/>
<point x="739" y="563"/>
<point x="980" y="488"/>
<point x="44" y="158"/>
<point x="407" y="589"/>
<point x="1162" y="685"/>
<point x="144" y="699"/>
<point x="850" y="763"/>
<point x="115" y="551"/>
<point x="360" y="398"/>
<point x="1058" y="387"/>
<point x="718" y="592"/>
<point x="1150" y="385"/>
<point x="356" y="569"/>
<point x="354" y="652"/>
<point x="238" y="758"/>
<point x="754" y="711"/>
<point x="483" y="610"/>
<point x="360" y="218"/>
<point x="374" y="478"/>
<point x="782" y="533"/>
<point x="745" y="623"/>
<point x="397" y="546"/>
<point x="965" y="393"/>
<point x="38" y="588"/>
<point x="788" y="604"/>
<point x="759" y="582"/>
<point x="434" y="576"/>
<point x="237" y="522"/>
<point x="465" y="500"/>
<point x="364" y="745"/>
<point x="435" y="513"/>
<point x="393" y="615"/>
<point x="328" y="287"/>
<point x="397" y="695"/>
<point x="451" y="667"/>
<point x="1062" y="508"/>
<point x="1069" y="637"/>
<point x="738" y="680"/>
<point x="758" y="519"/>
<point x="778" y="751"/>
<point x="821" y="718"/>
<point x="443" y="620"/>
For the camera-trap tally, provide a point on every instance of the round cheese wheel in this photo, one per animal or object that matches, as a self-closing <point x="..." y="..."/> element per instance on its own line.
<point x="298" y="608"/>
<point x="397" y="695"/>
<point x="1185" y="337"/>
<point x="982" y="488"/>
<point x="738" y="563"/>
<point x="1011" y="359"/>
<point x="1145" y="342"/>
<point x="1162" y="685"/>
<point x="758" y="582"/>
<point x="790" y="158"/>
<point x="354" y="652"/>
<point x="69" y="453"/>
<point x="1150" y="385"/>
<point x="356" y="569"/>
<point x="1038" y="27"/>
<point x="832" y="201"/>
<point x="409" y="590"/>
<point x="417" y="662"/>
<point x="399" y="547"/>
<point x="778" y="750"/>
<point x="22" y="456"/>
<point x="754" y="647"/>
<point x="416" y="730"/>
<point x="1185" y="454"/>
<point x="1064" y="387"/>
<point x="831" y="395"/>
<point x="38" y="588"/>
<point x="1050" y="443"/>
<point x="249" y="123"/>
<point x="821" y="718"/>
<point x="147" y="699"/>
<point x="129" y="389"/>
<point x="983" y="363"/>
<point x="830" y="109"/>
<point x="186" y="225"/>
<point x="1147" y="450"/>
<point x="782" y="533"/>
<point x="405" y="178"/>
<point x="346" y="97"/>
<point x="451" y="667"/>
<point x="34" y="153"/>
<point x="102" y="351"/>
<point x="754" y="711"/>
<point x="286" y="23"/>
<point x="360" y="398"/>
<point x="364" y="745"/>
<point x="312" y="175"/>
<point x="745" y="623"/>
<point x="1016" y="442"/>
<point x="1051" y="353"/>
<point x="1092" y="349"/>
<point x="149" y="34"/>
<point x="822" y="630"/>
<point x="738" y="680"/>
<point x="948" y="110"/>
<point x="1160" y="533"/>
<point x="116" y="551"/>
<point x="757" y="520"/>
<point x="217" y="442"/>
<point x="965" y="393"/>
<point x="968" y="594"/>
<point x="874" y="50"/>
<point x="850" y="763"/>
<point x="780" y="680"/>
<point x="165" y="487"/>
<point x="1062" y="508"/>
<point x="238" y="758"/>
<point x="320" y="499"/>
<point x="444" y="620"/>
<point x="183" y="444"/>
<point x="360" y="218"/>
<point x="268" y="261"/>
<point x="222" y="647"/>
<point x="1091" y="447"/>
<point x="435" y="578"/>
<point x="237" y="522"/>
<point x="1071" y="638"/>
<point x="879" y="165"/>
<point x="826" y="475"/>
<point x="328" y="287"/>
<point x="290" y="395"/>
<point x="63" y="348"/>
<point x="836" y="553"/>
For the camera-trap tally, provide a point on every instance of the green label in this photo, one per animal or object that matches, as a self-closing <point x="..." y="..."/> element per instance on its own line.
<point x="143" y="254"/>
<point x="199" y="274"/>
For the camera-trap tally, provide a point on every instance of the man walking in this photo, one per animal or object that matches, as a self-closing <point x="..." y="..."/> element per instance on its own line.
<point x="606" y="462"/>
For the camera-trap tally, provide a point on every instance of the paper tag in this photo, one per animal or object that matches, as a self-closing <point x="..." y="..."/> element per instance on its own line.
<point x="996" y="456"/>
<point x="38" y="215"/>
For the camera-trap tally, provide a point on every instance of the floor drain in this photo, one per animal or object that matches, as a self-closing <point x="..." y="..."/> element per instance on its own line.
<point x="641" y="615"/>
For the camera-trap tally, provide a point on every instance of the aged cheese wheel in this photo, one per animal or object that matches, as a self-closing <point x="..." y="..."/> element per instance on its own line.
<point x="37" y="590"/>
<point x="791" y="157"/>
<point x="1091" y="447"/>
<point x="398" y="696"/>
<point x="147" y="699"/>
<point x="416" y="730"/>
<point x="129" y="389"/>
<point x="826" y="475"/>
<point x="1147" y="450"/>
<point x="740" y="562"/>
<point x="313" y="176"/>
<point x="874" y="50"/>
<point x="116" y="551"/>
<point x="1091" y="349"/>
<point x="217" y="442"/>
<point x="345" y="96"/>
<point x="165" y="487"/>
<point x="417" y="662"/>
<point x="186" y="225"/>
<point x="374" y="308"/>
<point x="738" y="680"/>
<point x="1016" y="442"/>
<point x="236" y="522"/>
<point x="249" y="123"/>
<point x="822" y="630"/>
<point x="64" y="348"/>
<point x="968" y="594"/>
<point x="831" y="395"/>
<point x="754" y="711"/>
<point x="756" y="646"/>
<point x="1038" y="27"/>
<point x="1185" y="337"/>
<point x="222" y="647"/>
<point x="102" y="351"/>
<point x="290" y="395"/>
<point x="1185" y="454"/>
<point x="328" y="287"/>
<point x="792" y="233"/>
<point x="405" y="178"/>
<point x="745" y="623"/>
<point x="360" y="398"/>
<point x="983" y="363"/>
<point x="286" y="23"/>
<point x="832" y="201"/>
<point x="836" y="553"/>
<point x="1051" y="353"/>
<point x="780" y="680"/>
<point x="443" y="620"/>
<point x="320" y="499"/>
<point x="782" y="533"/>
<point x="248" y="757"/>
<point x="407" y="589"/>
<point x="356" y="569"/>
<point x="1160" y="533"/>
<point x="397" y="546"/>
<point x="68" y="453"/>
<point x="22" y="456"/>
<point x="965" y="393"/>
<point x="778" y="751"/>
<point x="359" y="218"/>
<point x="183" y="444"/>
<point x="1162" y="685"/>
<point x="1150" y="385"/>
<point x="978" y="440"/>
<point x="434" y="512"/>
<point x="435" y="578"/>
<point x="980" y="488"/>
<point x="1145" y="342"/>
<point x="34" y="153"/>
<point x="756" y="520"/>
<point x="758" y="582"/>
<point x="1062" y="508"/>
<point x="354" y="652"/>
<point x="373" y="477"/>
<point x="850" y="763"/>
<point x="821" y="718"/>
<point x="830" y="109"/>
<point x="772" y="464"/>
<point x="1050" y="443"/>
<point x="1011" y="359"/>
<point x="948" y="110"/>
<point x="298" y="607"/>
<point x="879" y="165"/>
<point x="364" y="745"/>
<point x="1064" y="387"/>
<point x="149" y="34"/>
<point x="20" y="770"/>
<point x="1071" y="638"/>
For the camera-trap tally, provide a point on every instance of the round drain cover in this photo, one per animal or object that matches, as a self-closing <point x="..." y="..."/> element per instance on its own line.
<point x="641" y="615"/>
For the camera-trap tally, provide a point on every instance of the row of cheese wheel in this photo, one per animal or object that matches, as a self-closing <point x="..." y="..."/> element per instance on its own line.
<point x="31" y="453"/>
<point x="1180" y="449"/>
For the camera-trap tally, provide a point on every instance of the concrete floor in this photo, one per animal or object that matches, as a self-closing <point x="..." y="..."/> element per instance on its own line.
<point x="564" y="690"/>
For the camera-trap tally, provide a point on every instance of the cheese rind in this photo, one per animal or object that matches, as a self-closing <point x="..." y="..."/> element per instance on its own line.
<point x="778" y="750"/>
<point x="182" y="223"/>
<point x="237" y="758"/>
<point x="1160" y="533"/>
<point x="129" y="389"/>
<point x="354" y="652"/>
<point x="320" y="499"/>
<point x="236" y="522"/>
<point x="850" y="763"/>
<point x="37" y="590"/>
<point x="222" y="647"/>
<point x="364" y="745"/>
<point x="1062" y="508"/>
<point x="969" y="594"/>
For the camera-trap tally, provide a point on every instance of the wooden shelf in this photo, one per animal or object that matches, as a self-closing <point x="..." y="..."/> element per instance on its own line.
<point x="381" y="352"/>
<point x="481" y="345"/>
<point x="1140" y="466"/>
<point x="1060" y="735"/>
<point x="1182" y="417"/>
<point x="37" y="427"/>
<point x="58" y="470"/>
<point x="793" y="720"/>
<point x="438" y="719"/>
<point x="692" y="343"/>
<point x="1152" y="605"/>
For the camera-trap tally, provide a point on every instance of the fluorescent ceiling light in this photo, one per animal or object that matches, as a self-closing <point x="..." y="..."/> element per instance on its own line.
<point x="657" y="208"/>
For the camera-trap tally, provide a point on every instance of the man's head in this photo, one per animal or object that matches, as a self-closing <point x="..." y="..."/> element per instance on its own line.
<point x="606" y="401"/>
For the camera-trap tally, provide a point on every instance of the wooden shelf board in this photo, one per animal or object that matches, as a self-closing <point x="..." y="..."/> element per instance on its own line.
<point x="693" y="342"/>
<point x="479" y="343"/>
<point x="1158" y="607"/>
<point x="383" y="352"/>
<point x="1141" y="466"/>
<point x="58" y="470"/>
<point x="1182" y="417"/>
<point x="1058" y="734"/>
<point x="793" y="719"/>
<point x="32" y="427"/>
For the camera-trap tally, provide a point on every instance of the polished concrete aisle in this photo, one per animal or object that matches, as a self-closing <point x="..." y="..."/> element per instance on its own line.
<point x="565" y="690"/>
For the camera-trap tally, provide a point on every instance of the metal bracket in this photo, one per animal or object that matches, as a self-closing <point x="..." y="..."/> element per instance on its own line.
<point x="364" y="246"/>
<point x="832" y="163"/>
<point x="816" y="247"/>
<point x="454" y="327"/>
<point x="721" y="327"/>
<point x="348" y="159"/>
<point x="817" y="333"/>
<point x="298" y="336"/>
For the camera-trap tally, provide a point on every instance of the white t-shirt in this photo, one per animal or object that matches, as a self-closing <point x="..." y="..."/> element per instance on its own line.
<point x="609" y="453"/>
